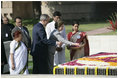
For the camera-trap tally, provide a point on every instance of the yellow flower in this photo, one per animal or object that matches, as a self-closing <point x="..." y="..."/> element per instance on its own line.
<point x="112" y="63"/>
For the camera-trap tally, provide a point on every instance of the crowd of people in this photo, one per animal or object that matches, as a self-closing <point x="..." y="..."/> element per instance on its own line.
<point x="47" y="46"/>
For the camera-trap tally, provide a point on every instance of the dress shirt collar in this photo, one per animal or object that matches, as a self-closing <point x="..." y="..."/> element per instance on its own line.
<point x="53" y="21"/>
<point x="19" y="27"/>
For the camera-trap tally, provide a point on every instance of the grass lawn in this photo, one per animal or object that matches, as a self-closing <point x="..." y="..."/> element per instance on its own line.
<point x="30" y="64"/>
<point x="83" y="27"/>
<point x="87" y="27"/>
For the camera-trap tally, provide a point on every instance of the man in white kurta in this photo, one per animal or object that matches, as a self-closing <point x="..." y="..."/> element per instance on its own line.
<point x="59" y="57"/>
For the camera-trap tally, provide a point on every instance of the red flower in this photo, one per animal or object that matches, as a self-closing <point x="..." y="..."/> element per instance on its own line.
<point x="116" y="24"/>
<point x="112" y="25"/>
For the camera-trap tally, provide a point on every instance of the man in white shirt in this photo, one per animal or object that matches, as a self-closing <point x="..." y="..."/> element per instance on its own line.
<point x="59" y="56"/>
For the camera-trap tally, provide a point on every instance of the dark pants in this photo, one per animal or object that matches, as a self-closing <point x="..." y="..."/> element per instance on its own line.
<point x="40" y="65"/>
<point x="51" y="63"/>
<point x="2" y="68"/>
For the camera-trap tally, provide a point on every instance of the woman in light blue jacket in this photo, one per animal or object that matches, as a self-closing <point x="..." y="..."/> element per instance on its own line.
<point x="56" y="35"/>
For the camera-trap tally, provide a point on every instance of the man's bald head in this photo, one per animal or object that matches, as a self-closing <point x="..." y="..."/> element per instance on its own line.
<point x="5" y="20"/>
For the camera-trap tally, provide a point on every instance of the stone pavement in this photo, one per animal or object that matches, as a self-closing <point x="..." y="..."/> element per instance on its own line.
<point x="57" y="76"/>
<point x="98" y="31"/>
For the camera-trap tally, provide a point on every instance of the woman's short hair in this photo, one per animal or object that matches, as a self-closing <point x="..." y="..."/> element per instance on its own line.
<point x="75" y="22"/>
<point x="16" y="34"/>
<point x="58" y="24"/>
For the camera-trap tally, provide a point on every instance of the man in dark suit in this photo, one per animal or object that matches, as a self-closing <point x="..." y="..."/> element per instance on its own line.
<point x="6" y="29"/>
<point x="26" y="39"/>
<point x="39" y="49"/>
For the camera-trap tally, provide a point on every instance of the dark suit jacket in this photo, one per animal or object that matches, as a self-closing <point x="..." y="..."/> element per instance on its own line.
<point x="6" y="29"/>
<point x="39" y="49"/>
<point x="26" y="39"/>
<point x="40" y="41"/>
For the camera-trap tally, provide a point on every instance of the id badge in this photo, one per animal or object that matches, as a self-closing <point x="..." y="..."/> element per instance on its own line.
<point x="6" y="35"/>
<point x="78" y="37"/>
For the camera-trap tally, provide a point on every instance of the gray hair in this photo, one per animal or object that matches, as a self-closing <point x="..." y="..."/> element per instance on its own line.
<point x="44" y="17"/>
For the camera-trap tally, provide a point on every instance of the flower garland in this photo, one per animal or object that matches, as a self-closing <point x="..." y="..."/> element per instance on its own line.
<point x="95" y="60"/>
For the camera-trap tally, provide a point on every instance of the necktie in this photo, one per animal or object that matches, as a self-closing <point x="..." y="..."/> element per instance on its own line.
<point x="24" y="32"/>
